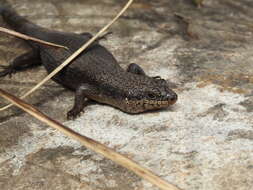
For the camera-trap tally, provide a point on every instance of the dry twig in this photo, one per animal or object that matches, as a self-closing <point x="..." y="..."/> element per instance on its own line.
<point x="91" y="144"/>
<point x="25" y="37"/>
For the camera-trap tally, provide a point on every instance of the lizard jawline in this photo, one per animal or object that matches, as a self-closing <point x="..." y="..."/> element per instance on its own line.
<point x="137" y="106"/>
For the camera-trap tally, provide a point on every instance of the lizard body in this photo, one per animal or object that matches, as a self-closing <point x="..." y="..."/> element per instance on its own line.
<point x="95" y="74"/>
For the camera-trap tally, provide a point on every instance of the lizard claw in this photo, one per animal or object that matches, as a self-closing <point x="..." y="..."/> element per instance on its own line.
<point x="8" y="70"/>
<point x="157" y="77"/>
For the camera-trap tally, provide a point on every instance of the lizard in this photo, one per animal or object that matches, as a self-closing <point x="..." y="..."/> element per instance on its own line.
<point x="94" y="75"/>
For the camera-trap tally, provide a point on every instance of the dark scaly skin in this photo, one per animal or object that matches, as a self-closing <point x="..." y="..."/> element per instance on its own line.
<point x="95" y="74"/>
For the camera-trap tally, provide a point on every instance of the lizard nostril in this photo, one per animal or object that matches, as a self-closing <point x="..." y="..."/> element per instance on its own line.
<point x="174" y="97"/>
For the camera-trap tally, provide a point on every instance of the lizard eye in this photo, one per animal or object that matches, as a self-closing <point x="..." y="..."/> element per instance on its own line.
<point x="151" y="95"/>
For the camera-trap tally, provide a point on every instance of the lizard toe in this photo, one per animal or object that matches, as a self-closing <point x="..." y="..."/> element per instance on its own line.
<point x="7" y="71"/>
<point x="73" y="114"/>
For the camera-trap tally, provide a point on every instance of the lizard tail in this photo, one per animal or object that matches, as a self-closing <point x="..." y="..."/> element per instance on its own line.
<point x="13" y="19"/>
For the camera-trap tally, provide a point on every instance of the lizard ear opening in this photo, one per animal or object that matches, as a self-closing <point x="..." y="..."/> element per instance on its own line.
<point x="135" y="69"/>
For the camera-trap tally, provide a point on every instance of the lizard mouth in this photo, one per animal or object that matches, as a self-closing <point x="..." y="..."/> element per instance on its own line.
<point x="137" y="106"/>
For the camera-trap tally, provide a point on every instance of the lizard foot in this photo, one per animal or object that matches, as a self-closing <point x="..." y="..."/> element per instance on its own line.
<point x="73" y="113"/>
<point x="8" y="70"/>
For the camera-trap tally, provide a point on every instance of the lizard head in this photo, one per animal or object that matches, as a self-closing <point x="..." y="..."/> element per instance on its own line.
<point x="148" y="93"/>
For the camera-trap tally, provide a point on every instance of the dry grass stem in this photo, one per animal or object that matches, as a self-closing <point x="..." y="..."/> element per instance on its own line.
<point x="91" y="144"/>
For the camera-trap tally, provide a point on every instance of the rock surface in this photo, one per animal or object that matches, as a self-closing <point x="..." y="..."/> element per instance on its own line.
<point x="204" y="141"/>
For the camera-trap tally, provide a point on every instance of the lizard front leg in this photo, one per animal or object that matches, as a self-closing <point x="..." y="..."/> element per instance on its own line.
<point x="22" y="62"/>
<point x="136" y="69"/>
<point x="81" y="99"/>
